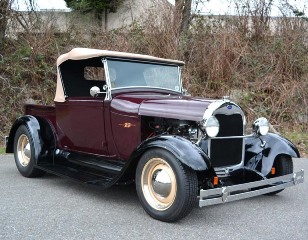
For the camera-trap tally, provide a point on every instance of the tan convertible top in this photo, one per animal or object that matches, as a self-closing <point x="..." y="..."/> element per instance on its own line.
<point x="86" y="53"/>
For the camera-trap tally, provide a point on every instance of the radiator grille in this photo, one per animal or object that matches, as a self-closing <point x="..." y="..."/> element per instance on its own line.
<point x="227" y="152"/>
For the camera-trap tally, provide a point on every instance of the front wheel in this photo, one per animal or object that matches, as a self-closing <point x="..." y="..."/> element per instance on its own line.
<point x="283" y="165"/>
<point x="24" y="153"/>
<point x="166" y="188"/>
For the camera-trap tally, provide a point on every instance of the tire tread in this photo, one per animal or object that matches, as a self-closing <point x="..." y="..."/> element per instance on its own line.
<point x="284" y="166"/>
<point x="29" y="171"/>
<point x="187" y="176"/>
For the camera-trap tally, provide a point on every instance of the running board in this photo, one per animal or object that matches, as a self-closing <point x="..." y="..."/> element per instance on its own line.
<point x="98" y="163"/>
<point x="85" y="168"/>
<point x="80" y="175"/>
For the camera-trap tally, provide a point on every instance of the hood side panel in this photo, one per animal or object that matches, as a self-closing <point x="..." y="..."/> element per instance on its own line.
<point x="161" y="105"/>
<point x="182" y="109"/>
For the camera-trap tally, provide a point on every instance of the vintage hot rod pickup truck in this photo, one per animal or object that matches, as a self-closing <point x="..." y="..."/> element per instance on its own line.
<point x="120" y="118"/>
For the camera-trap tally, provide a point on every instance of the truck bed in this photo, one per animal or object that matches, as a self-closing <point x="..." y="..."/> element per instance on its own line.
<point x="42" y="111"/>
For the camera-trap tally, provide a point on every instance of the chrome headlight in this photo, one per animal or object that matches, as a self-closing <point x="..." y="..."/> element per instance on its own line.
<point x="261" y="126"/>
<point x="211" y="126"/>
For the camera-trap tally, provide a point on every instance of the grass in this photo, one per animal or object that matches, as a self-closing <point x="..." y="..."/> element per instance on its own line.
<point x="300" y="139"/>
<point x="2" y="150"/>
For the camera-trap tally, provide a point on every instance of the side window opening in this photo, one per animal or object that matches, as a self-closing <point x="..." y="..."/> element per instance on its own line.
<point x="79" y="76"/>
<point x="94" y="73"/>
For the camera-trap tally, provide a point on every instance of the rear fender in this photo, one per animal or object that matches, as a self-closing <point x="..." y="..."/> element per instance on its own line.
<point x="185" y="151"/>
<point x="262" y="156"/>
<point x="36" y="127"/>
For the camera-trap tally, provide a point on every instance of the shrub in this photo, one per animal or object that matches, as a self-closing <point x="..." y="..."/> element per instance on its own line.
<point x="262" y="65"/>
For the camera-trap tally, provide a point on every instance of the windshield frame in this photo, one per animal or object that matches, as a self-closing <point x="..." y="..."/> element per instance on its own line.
<point x="108" y="80"/>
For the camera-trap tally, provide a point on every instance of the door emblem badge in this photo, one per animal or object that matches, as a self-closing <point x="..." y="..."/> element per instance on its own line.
<point x="127" y="125"/>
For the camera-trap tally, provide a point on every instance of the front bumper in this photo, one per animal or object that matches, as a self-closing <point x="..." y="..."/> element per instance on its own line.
<point x="247" y="190"/>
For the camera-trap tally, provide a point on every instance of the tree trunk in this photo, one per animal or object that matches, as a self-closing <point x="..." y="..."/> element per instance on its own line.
<point x="179" y="5"/>
<point x="183" y="14"/>
<point x="4" y="10"/>
<point x="186" y="16"/>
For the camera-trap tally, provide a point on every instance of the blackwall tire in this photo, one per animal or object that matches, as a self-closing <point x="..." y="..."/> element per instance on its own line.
<point x="166" y="188"/>
<point x="283" y="165"/>
<point x="24" y="153"/>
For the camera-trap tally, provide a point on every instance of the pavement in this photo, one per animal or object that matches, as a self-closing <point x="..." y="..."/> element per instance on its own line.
<point x="51" y="207"/>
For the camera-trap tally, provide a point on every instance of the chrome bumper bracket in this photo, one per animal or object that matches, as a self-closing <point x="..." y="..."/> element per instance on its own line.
<point x="242" y="191"/>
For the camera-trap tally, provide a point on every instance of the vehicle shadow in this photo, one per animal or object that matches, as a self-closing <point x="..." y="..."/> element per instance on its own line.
<point x="127" y="196"/>
<point x="120" y="194"/>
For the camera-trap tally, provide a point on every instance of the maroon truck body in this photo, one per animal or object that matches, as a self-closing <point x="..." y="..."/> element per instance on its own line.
<point x="120" y="118"/>
<point x="113" y="128"/>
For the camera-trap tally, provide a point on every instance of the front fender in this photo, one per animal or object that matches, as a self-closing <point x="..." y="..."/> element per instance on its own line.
<point x="261" y="157"/>
<point x="33" y="127"/>
<point x="184" y="150"/>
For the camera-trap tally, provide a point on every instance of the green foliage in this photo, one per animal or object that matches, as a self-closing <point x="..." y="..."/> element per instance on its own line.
<point x="267" y="76"/>
<point x="2" y="150"/>
<point x="24" y="52"/>
<point x="300" y="139"/>
<point x="97" y="6"/>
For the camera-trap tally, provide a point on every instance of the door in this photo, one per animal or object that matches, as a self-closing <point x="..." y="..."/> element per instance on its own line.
<point x="81" y="125"/>
<point x="80" y="119"/>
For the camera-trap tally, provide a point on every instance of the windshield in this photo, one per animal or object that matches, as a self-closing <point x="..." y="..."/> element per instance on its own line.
<point x="127" y="74"/>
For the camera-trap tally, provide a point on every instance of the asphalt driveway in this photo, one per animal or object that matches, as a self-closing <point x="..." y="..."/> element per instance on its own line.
<point x="51" y="207"/>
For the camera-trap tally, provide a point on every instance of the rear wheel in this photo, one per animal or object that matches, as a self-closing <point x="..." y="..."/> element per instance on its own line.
<point x="24" y="153"/>
<point x="283" y="165"/>
<point x="166" y="188"/>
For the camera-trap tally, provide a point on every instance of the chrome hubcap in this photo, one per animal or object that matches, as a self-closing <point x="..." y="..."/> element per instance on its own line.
<point x="161" y="183"/>
<point x="23" y="150"/>
<point x="158" y="184"/>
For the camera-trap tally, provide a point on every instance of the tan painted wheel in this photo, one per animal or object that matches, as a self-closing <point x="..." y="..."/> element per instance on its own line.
<point x="158" y="184"/>
<point x="23" y="150"/>
<point x="167" y="189"/>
